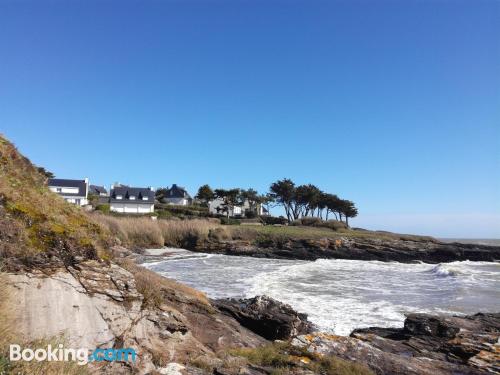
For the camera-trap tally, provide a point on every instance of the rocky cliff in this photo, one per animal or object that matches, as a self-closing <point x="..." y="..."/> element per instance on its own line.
<point x="351" y="247"/>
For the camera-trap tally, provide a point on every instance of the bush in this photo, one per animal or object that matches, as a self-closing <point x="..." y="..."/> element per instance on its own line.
<point x="168" y="210"/>
<point x="250" y="214"/>
<point x="272" y="220"/>
<point x="229" y="221"/>
<point x="105" y="208"/>
<point x="318" y="223"/>
<point x="332" y="224"/>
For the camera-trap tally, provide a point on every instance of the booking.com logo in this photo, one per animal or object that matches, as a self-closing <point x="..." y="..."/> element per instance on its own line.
<point x="60" y="353"/>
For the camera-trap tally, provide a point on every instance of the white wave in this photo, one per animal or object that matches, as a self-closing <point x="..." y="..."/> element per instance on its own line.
<point x="443" y="271"/>
<point x="341" y="295"/>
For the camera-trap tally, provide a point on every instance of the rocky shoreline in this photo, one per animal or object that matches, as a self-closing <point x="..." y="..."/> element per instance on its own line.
<point x="397" y="250"/>
<point x="427" y="344"/>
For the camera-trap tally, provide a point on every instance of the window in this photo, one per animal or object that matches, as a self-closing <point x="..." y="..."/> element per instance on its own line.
<point x="132" y="198"/>
<point x="58" y="190"/>
<point x="144" y="198"/>
<point x="119" y="197"/>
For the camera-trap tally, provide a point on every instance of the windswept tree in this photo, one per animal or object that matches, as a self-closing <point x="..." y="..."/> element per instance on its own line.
<point x="349" y="210"/>
<point x="332" y="205"/>
<point x="309" y="200"/>
<point x="282" y="192"/>
<point x="229" y="198"/>
<point x="205" y="194"/>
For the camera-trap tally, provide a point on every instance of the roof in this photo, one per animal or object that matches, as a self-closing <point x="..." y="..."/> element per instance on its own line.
<point x="80" y="184"/>
<point x="138" y="192"/>
<point x="96" y="189"/>
<point x="177" y="192"/>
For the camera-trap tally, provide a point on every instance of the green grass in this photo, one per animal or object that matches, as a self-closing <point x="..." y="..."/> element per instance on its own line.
<point x="314" y="233"/>
<point x="283" y="357"/>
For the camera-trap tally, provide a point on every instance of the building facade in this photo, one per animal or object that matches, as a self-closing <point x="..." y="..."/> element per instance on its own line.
<point x="177" y="195"/>
<point x="131" y="200"/>
<point x="73" y="191"/>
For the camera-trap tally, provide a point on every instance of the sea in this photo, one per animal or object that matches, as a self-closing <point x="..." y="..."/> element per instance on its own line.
<point x="342" y="295"/>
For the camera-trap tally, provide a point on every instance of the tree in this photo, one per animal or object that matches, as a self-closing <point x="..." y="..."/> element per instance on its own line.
<point x="254" y="199"/>
<point x="333" y="204"/>
<point x="45" y="172"/>
<point x="307" y="200"/>
<point x="230" y="198"/>
<point x="349" y="210"/>
<point x="161" y="193"/>
<point x="283" y="193"/>
<point x="205" y="194"/>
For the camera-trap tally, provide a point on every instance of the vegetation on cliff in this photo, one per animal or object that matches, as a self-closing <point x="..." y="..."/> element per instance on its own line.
<point x="37" y="227"/>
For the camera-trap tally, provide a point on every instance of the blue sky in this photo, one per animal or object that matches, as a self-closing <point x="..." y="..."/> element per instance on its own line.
<point x="392" y="104"/>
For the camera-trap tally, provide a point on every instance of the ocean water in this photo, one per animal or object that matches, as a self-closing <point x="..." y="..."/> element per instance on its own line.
<point x="341" y="295"/>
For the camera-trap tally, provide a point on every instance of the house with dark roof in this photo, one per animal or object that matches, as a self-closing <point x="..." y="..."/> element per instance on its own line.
<point x="131" y="200"/>
<point x="98" y="190"/>
<point x="73" y="191"/>
<point x="177" y="195"/>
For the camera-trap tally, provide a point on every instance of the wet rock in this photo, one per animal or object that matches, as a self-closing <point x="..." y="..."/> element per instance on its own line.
<point x="427" y="344"/>
<point x="265" y="316"/>
<point x="428" y="325"/>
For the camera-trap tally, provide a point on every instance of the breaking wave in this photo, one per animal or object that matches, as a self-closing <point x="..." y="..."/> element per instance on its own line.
<point x="341" y="295"/>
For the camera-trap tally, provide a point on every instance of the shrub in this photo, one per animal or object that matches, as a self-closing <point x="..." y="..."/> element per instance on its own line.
<point x="250" y="214"/>
<point x="332" y="224"/>
<point x="310" y="221"/>
<point x="229" y="221"/>
<point x="317" y="222"/>
<point x="272" y="220"/>
<point x="105" y="208"/>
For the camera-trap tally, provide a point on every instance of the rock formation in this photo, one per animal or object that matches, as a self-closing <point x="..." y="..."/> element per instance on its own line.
<point x="404" y="250"/>
<point x="266" y="316"/>
<point x="426" y="345"/>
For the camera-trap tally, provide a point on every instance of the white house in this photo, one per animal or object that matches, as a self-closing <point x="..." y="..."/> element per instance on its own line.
<point x="216" y="207"/>
<point x="73" y="191"/>
<point x="177" y="195"/>
<point x="133" y="200"/>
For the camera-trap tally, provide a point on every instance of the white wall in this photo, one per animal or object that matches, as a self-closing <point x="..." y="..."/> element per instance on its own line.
<point x="64" y="190"/>
<point x="132" y="208"/>
<point x="81" y="201"/>
<point x="177" y="201"/>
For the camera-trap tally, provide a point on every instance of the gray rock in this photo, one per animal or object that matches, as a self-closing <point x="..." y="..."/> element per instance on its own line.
<point x="267" y="317"/>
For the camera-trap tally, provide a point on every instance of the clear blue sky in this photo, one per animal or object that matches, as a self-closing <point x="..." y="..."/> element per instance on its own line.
<point x="392" y="104"/>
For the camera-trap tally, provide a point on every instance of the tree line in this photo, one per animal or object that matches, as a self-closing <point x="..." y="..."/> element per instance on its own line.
<point x="297" y="201"/>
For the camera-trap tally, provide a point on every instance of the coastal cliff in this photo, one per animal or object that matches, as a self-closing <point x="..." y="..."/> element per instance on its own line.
<point x="67" y="279"/>
<point x="64" y="280"/>
<point x="381" y="246"/>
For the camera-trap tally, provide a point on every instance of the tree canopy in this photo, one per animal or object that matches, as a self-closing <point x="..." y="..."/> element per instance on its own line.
<point x="309" y="200"/>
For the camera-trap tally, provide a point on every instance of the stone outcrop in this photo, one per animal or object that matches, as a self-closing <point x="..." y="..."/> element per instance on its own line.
<point x="97" y="305"/>
<point x="426" y="345"/>
<point x="357" y="248"/>
<point x="266" y="316"/>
